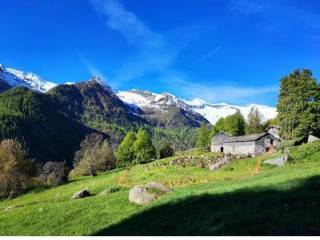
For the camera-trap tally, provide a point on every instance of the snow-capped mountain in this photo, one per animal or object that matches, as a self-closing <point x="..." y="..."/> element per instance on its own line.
<point x="165" y="107"/>
<point x="15" y="78"/>
<point x="161" y="109"/>
<point x="150" y="100"/>
<point x="212" y="112"/>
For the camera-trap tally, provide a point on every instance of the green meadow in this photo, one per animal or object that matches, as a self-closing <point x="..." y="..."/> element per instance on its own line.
<point x="245" y="197"/>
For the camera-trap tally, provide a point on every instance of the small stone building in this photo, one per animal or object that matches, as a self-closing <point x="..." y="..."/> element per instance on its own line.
<point x="244" y="145"/>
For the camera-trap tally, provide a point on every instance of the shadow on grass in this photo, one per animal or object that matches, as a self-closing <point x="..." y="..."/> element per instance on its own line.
<point x="259" y="211"/>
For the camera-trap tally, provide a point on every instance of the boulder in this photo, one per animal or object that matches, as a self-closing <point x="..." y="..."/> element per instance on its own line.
<point x="140" y="195"/>
<point x="81" y="194"/>
<point x="313" y="138"/>
<point x="145" y="194"/>
<point x="158" y="186"/>
<point x="276" y="161"/>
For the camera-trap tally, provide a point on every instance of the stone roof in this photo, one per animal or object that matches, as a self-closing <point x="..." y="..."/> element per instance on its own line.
<point x="246" y="138"/>
<point x="220" y="138"/>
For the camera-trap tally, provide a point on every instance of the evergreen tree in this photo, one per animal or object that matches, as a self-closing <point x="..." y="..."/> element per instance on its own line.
<point x="125" y="154"/>
<point x="254" y="122"/>
<point x="299" y="105"/>
<point x="203" y="138"/>
<point x="143" y="148"/>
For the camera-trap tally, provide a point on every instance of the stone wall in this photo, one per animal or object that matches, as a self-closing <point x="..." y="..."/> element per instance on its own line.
<point x="239" y="148"/>
<point x="216" y="148"/>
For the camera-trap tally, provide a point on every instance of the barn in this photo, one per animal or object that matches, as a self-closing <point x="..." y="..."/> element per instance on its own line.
<point x="244" y="145"/>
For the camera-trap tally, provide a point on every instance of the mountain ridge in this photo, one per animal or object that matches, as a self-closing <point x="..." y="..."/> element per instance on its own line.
<point x="160" y="109"/>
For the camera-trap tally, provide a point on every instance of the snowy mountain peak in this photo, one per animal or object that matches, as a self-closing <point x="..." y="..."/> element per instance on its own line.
<point x="30" y="80"/>
<point x="212" y="112"/>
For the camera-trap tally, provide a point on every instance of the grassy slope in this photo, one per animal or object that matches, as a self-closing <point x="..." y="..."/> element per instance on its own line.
<point x="244" y="197"/>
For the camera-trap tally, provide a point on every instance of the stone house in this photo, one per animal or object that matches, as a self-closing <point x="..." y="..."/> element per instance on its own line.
<point x="244" y="145"/>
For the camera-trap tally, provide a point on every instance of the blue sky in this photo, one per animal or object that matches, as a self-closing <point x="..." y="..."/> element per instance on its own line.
<point x="231" y="51"/>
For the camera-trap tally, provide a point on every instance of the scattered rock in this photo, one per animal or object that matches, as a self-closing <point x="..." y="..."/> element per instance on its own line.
<point x="145" y="194"/>
<point x="81" y="194"/>
<point x="277" y="161"/>
<point x="110" y="190"/>
<point x="158" y="186"/>
<point x="140" y="195"/>
<point x="220" y="162"/>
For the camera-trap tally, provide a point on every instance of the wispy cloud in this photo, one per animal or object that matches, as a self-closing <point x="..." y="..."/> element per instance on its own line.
<point x="208" y="54"/>
<point x="125" y="22"/>
<point x="157" y="53"/>
<point x="230" y="93"/>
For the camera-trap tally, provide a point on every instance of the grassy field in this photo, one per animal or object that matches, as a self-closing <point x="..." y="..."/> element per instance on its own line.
<point x="245" y="197"/>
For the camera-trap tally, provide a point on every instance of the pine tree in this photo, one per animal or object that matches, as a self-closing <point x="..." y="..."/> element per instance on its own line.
<point x="254" y="122"/>
<point x="299" y="105"/>
<point x="125" y="154"/>
<point x="143" y="148"/>
<point x="203" y="138"/>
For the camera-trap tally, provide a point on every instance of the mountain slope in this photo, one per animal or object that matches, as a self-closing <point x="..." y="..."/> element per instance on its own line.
<point x="94" y="104"/>
<point x="35" y="119"/>
<point x="163" y="110"/>
<point x="17" y="78"/>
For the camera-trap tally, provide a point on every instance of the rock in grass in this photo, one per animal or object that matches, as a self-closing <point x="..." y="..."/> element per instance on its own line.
<point x="110" y="190"/>
<point x="276" y="161"/>
<point x="158" y="186"/>
<point x="140" y="195"/>
<point x="81" y="194"/>
<point x="145" y="194"/>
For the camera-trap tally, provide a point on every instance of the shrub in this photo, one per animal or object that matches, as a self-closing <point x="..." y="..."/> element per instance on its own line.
<point x="54" y="173"/>
<point x="166" y="151"/>
<point x="94" y="155"/>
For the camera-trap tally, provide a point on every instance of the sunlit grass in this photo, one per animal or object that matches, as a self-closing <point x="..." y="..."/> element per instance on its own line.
<point x="51" y="212"/>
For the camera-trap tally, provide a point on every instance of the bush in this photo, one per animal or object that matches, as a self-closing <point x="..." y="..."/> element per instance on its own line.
<point x="54" y="173"/>
<point x="305" y="151"/>
<point x="15" y="168"/>
<point x="166" y="151"/>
